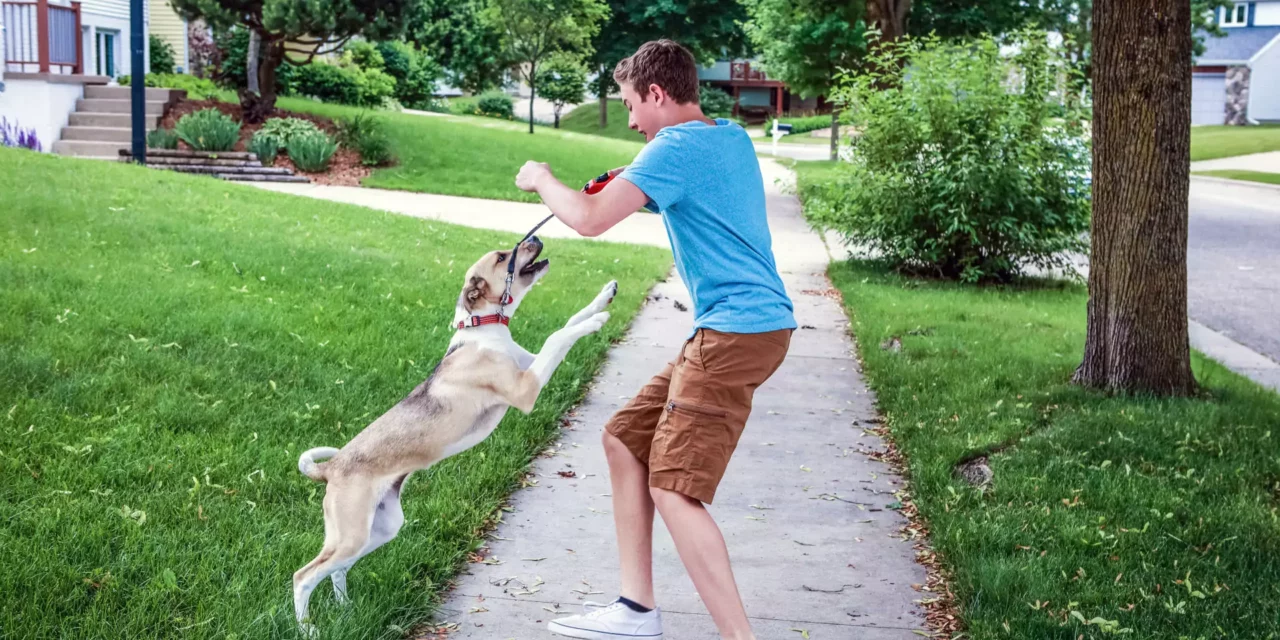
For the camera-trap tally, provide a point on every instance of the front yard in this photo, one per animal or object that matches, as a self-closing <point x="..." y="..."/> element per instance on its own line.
<point x="169" y="345"/>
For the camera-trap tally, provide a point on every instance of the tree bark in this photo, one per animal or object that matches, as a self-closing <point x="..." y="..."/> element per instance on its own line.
<point x="1136" y="340"/>
<point x="889" y="16"/>
<point x="604" y="98"/>
<point x="835" y="134"/>
<point x="533" y="92"/>
<point x="251" y="61"/>
<point x="257" y="107"/>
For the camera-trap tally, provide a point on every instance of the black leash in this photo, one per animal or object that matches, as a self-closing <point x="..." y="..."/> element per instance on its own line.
<point x="511" y="265"/>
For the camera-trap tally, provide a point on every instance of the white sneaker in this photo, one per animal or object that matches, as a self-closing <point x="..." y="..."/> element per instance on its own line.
<point x="609" y="622"/>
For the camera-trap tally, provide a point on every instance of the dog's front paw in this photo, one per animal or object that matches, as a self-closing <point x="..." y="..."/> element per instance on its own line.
<point x="308" y="630"/>
<point x="608" y="292"/>
<point x="595" y="322"/>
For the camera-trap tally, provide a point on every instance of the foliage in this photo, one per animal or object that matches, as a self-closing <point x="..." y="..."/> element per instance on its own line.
<point x="368" y="136"/>
<point x="162" y="55"/>
<point x="806" y="43"/>
<point x="231" y="61"/>
<point x="196" y="88"/>
<point x="287" y="129"/>
<point x="11" y="135"/>
<point x="344" y="83"/>
<point x="562" y="80"/>
<point x="162" y="139"/>
<point x="716" y="103"/>
<point x="414" y="71"/>
<point x="534" y="29"/>
<point x="266" y="146"/>
<point x="461" y="40"/>
<point x="950" y="19"/>
<point x="208" y="130"/>
<point x="495" y="104"/>
<point x="801" y="125"/>
<point x="311" y="152"/>
<point x="954" y="173"/>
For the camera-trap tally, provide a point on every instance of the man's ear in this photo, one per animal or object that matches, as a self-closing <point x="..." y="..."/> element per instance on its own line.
<point x="477" y="289"/>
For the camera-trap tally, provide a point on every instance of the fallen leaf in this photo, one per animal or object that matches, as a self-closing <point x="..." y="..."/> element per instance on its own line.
<point x="804" y="633"/>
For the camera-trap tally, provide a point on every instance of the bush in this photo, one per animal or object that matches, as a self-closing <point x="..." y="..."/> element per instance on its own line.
<point x="311" y="153"/>
<point x="196" y="88"/>
<point x="265" y="146"/>
<point x="286" y="130"/>
<point x="415" y="74"/>
<point x="801" y="125"/>
<point x="343" y="84"/>
<point x="496" y="104"/>
<point x="367" y="135"/>
<point x="715" y="102"/>
<point x="233" y="56"/>
<point x="958" y="171"/>
<point x="162" y="55"/>
<point x="208" y="130"/>
<point x="162" y="139"/>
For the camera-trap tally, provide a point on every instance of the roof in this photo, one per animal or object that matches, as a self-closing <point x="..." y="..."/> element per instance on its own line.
<point x="1238" y="46"/>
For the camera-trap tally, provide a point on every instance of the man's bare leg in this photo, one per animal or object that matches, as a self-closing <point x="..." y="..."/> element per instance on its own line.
<point x="704" y="554"/>
<point x="633" y="517"/>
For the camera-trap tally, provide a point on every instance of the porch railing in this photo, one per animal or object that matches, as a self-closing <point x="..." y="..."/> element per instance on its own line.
<point x="43" y="38"/>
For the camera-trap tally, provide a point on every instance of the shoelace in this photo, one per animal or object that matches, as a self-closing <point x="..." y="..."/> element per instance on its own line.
<point x="597" y="609"/>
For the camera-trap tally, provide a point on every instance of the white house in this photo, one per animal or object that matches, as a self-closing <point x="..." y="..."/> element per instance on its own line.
<point x="52" y="50"/>
<point x="1237" y="79"/>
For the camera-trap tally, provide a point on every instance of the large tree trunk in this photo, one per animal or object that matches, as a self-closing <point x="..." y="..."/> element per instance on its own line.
<point x="257" y="107"/>
<point x="533" y="92"/>
<point x="835" y="134"/>
<point x="1137" y="314"/>
<point x="251" y="61"/>
<point x="604" y="97"/>
<point x="889" y="16"/>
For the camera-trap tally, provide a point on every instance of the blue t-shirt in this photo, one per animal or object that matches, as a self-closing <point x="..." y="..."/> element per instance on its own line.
<point x="705" y="180"/>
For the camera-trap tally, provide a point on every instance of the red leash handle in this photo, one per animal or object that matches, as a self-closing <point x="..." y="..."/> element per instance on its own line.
<point x="598" y="183"/>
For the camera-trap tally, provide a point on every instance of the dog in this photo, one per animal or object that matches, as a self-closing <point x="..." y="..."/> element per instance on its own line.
<point x="482" y="374"/>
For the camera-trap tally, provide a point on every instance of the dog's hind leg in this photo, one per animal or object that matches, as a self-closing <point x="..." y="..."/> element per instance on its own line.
<point x="348" y="517"/>
<point x="387" y="520"/>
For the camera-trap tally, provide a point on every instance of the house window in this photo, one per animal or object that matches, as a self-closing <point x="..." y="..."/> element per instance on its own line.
<point x="1236" y="15"/>
<point x="106" y="48"/>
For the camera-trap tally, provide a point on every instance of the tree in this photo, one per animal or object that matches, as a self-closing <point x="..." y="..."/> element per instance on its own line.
<point x="964" y="18"/>
<point x="532" y="30"/>
<point x="457" y="36"/>
<point x="1136" y="340"/>
<point x="888" y="17"/>
<point x="301" y="28"/>
<point x="563" y="80"/>
<point x="807" y="43"/>
<point x="162" y="55"/>
<point x="707" y="28"/>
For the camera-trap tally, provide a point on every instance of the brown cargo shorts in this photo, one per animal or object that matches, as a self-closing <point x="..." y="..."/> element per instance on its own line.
<point x="686" y="422"/>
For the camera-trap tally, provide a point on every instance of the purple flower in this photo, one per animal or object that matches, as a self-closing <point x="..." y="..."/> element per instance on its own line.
<point x="11" y="135"/>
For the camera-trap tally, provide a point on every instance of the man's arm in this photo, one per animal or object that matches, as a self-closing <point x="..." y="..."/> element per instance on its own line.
<point x="589" y="215"/>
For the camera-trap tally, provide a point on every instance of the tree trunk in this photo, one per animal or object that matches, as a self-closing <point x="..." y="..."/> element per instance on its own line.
<point x="557" y="117"/>
<point x="1136" y="339"/>
<point x="251" y="61"/>
<point x="257" y="107"/>
<point x="604" y="98"/>
<point x="533" y="92"/>
<point x="889" y="16"/>
<point x="835" y="134"/>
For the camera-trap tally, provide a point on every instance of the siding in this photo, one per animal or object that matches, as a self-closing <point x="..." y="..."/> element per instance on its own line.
<point x="112" y="8"/>
<point x="1264" y="85"/>
<point x="168" y="26"/>
<point x="1266" y="14"/>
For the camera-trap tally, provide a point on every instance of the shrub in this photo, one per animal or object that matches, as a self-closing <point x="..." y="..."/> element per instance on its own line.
<point x="311" y="153"/>
<point x="11" y="135"/>
<point x="265" y="146"/>
<point x="562" y="80"/>
<point x="958" y="171"/>
<point x="208" y="130"/>
<point x="285" y="130"/>
<point x="196" y="88"/>
<point x="233" y="54"/>
<point x="801" y="125"/>
<point x="367" y="135"/>
<point x="496" y="104"/>
<point x="162" y="55"/>
<point x="162" y="139"/>
<point x="715" y="102"/>
<point x="343" y="84"/>
<point x="415" y="74"/>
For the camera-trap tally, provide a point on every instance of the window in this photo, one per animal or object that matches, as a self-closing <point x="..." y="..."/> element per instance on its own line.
<point x="106" y="53"/>
<point x="1236" y="15"/>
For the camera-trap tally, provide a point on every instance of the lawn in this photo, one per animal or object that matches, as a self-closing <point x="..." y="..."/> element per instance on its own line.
<point x="1236" y="174"/>
<point x="169" y="344"/>
<point x="479" y="157"/>
<point x="585" y="118"/>
<point x="1208" y="143"/>
<point x="1106" y="514"/>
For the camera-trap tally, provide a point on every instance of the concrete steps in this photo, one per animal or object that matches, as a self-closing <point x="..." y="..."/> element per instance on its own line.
<point x="102" y="124"/>
<point x="98" y="134"/>
<point x="102" y="92"/>
<point x="96" y="105"/>
<point x="113" y="120"/>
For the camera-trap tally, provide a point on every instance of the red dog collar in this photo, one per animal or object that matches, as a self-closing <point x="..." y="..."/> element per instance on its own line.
<point x="475" y="321"/>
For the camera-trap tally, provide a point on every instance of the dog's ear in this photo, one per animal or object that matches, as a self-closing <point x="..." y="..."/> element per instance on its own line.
<point x="477" y="289"/>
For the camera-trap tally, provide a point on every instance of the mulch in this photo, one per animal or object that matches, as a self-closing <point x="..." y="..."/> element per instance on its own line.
<point x="344" y="168"/>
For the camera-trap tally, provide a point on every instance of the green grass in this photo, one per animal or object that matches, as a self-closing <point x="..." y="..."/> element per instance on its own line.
<point x="585" y="118"/>
<point x="169" y="344"/>
<point x="1157" y="514"/>
<point x="479" y="157"/>
<point x="1237" y="174"/>
<point x="1208" y="143"/>
<point x="810" y="172"/>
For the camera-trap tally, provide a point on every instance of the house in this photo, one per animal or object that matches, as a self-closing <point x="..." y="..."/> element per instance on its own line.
<point x="58" y="59"/>
<point x="756" y="96"/>
<point x="170" y="28"/>
<point x="1237" y="79"/>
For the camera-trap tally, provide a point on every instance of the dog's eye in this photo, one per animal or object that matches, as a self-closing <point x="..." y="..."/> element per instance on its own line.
<point x="502" y="257"/>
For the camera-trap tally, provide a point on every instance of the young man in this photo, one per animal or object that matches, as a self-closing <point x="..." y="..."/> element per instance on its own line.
<point x="670" y="445"/>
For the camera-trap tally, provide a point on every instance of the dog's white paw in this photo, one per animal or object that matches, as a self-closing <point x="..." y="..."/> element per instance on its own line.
<point x="607" y="293"/>
<point x="308" y="630"/>
<point x="595" y="322"/>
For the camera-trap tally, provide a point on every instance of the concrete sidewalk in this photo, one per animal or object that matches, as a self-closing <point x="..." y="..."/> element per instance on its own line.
<point x="806" y="514"/>
<point x="1265" y="162"/>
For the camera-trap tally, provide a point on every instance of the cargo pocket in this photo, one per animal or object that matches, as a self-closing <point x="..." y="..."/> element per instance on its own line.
<point x="693" y="437"/>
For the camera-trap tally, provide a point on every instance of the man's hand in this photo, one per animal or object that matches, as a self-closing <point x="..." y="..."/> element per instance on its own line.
<point x="531" y="175"/>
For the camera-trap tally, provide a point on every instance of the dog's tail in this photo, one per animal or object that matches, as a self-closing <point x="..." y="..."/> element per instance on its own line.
<point x="309" y="467"/>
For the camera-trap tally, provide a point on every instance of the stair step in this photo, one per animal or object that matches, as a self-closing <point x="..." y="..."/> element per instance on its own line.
<point x="98" y="134"/>
<point x="93" y="105"/>
<point x="102" y="92"/>
<point x="112" y="120"/>
<point x="234" y="177"/>
<point x="88" y="148"/>
<point x="216" y="169"/>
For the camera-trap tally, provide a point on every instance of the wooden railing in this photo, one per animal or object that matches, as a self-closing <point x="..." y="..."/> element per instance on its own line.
<point x="742" y="71"/>
<point x="41" y="37"/>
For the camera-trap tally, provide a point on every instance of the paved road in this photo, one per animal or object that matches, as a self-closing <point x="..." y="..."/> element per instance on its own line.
<point x="1233" y="263"/>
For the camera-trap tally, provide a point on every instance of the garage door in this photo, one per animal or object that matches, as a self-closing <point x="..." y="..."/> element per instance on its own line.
<point x="1208" y="98"/>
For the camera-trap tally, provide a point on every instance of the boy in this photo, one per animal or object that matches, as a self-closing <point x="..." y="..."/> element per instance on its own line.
<point x="668" y="448"/>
